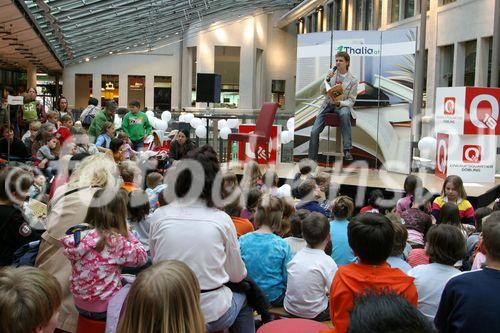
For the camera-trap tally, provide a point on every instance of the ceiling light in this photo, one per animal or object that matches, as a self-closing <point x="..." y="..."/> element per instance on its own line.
<point x="110" y="52"/>
<point x="128" y="47"/>
<point x="87" y="59"/>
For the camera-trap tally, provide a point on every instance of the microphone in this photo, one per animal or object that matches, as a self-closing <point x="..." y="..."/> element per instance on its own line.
<point x="333" y="70"/>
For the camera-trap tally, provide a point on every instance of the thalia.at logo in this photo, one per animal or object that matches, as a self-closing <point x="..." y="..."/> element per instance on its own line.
<point x="360" y="50"/>
<point x="471" y="154"/>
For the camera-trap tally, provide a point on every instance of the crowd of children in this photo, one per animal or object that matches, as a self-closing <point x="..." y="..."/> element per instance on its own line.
<point x="204" y="264"/>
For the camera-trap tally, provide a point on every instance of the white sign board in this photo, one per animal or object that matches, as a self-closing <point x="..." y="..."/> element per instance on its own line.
<point x="15" y="100"/>
<point x="472" y="157"/>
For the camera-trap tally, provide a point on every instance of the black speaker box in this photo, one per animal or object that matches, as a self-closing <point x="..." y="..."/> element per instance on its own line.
<point x="208" y="87"/>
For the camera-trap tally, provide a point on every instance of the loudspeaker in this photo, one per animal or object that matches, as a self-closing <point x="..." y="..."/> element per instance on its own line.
<point x="208" y="88"/>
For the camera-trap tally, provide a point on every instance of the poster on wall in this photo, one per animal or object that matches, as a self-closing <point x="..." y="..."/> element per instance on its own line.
<point x="384" y="64"/>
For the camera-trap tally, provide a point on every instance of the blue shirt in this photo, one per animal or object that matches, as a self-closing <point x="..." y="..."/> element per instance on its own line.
<point x="342" y="253"/>
<point x="103" y="140"/>
<point x="312" y="206"/>
<point x="265" y="256"/>
<point x="470" y="303"/>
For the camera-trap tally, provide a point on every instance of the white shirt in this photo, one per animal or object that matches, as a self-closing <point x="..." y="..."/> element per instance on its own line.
<point x="205" y="239"/>
<point x="430" y="281"/>
<point x="310" y="275"/>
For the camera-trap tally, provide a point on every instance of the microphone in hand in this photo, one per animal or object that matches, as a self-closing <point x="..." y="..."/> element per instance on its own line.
<point x="330" y="73"/>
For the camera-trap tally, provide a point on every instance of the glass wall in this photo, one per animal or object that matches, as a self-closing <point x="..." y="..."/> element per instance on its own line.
<point x="162" y="93"/>
<point x="394" y="11"/>
<point x="446" y="66"/>
<point x="227" y="64"/>
<point x="409" y="8"/>
<point x="109" y="88"/>
<point x="470" y="63"/>
<point x="137" y="89"/>
<point x="83" y="90"/>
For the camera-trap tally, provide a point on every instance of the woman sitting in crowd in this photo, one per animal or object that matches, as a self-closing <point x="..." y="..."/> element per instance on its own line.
<point x="181" y="146"/>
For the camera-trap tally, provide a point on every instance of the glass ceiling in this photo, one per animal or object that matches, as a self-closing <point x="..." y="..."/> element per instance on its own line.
<point x="79" y="29"/>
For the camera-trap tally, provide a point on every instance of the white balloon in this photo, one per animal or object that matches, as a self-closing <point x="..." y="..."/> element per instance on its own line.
<point x="233" y="123"/>
<point x="117" y="122"/>
<point x="290" y="124"/>
<point x="151" y="119"/>
<point x="166" y="116"/>
<point x="188" y="117"/>
<point x="224" y="132"/>
<point x="427" y="147"/>
<point x="286" y="137"/>
<point x="222" y="123"/>
<point x="161" y="125"/>
<point x="195" y="122"/>
<point x="150" y="114"/>
<point x="182" y="118"/>
<point x="201" y="132"/>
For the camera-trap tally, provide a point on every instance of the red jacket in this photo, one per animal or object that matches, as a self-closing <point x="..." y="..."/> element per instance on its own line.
<point x="63" y="133"/>
<point x="353" y="279"/>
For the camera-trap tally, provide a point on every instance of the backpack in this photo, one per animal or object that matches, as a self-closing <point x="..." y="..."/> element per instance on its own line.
<point x="89" y="117"/>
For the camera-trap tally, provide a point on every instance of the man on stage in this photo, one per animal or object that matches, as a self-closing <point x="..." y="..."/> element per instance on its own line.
<point x="339" y="75"/>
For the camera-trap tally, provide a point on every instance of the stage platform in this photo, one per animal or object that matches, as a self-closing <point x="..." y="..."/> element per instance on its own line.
<point x="353" y="180"/>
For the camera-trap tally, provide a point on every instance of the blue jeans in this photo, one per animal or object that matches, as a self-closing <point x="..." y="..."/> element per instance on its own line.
<point x="239" y="317"/>
<point x="138" y="145"/>
<point x="319" y="125"/>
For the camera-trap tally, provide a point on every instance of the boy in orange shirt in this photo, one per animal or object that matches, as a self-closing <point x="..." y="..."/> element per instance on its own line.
<point x="371" y="237"/>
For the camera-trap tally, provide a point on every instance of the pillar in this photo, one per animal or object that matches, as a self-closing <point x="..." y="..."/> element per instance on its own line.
<point x="31" y="77"/>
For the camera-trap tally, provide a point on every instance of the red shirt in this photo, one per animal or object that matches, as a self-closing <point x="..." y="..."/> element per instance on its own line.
<point x="352" y="279"/>
<point x="63" y="133"/>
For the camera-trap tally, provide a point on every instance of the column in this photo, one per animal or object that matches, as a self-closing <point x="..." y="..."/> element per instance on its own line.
<point x="432" y="56"/>
<point x="123" y="90"/>
<point x="481" y="75"/>
<point x="96" y="87"/>
<point x="384" y="17"/>
<point x="31" y="76"/>
<point x="149" y="91"/>
<point x="458" y="64"/>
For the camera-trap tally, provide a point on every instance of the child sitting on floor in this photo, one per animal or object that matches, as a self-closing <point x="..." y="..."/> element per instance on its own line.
<point x="400" y="237"/>
<point x="453" y="191"/>
<point x="310" y="272"/>
<point x="97" y="251"/>
<point x="412" y="183"/>
<point x="108" y="133"/>
<point x="265" y="254"/>
<point x="308" y="192"/>
<point x="445" y="246"/>
<point x="342" y="209"/>
<point x="371" y="236"/>
<point x="29" y="300"/>
<point x="296" y="241"/>
<point x="154" y="183"/>
<point x="64" y="131"/>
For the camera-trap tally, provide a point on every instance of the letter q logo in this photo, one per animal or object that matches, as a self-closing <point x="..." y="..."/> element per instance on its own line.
<point x="449" y="106"/>
<point x="490" y="120"/>
<point x="442" y="156"/>
<point x="471" y="154"/>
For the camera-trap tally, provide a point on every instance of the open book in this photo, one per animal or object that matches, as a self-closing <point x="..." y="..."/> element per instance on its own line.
<point x="336" y="93"/>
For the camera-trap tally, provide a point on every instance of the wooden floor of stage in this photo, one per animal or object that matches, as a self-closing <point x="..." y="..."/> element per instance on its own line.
<point x="376" y="178"/>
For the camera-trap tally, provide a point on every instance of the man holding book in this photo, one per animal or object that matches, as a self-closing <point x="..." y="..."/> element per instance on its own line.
<point x="340" y="89"/>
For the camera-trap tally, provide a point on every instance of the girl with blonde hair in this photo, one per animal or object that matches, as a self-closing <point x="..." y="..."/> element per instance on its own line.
<point x="164" y="298"/>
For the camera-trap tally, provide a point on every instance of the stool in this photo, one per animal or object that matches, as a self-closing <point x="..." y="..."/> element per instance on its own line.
<point x="333" y="120"/>
<point x="294" y="325"/>
<point x="87" y="325"/>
